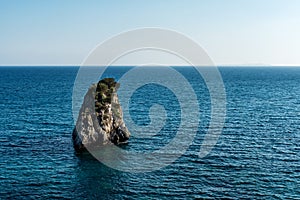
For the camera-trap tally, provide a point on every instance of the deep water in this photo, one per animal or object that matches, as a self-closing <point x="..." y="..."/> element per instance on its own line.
<point x="257" y="155"/>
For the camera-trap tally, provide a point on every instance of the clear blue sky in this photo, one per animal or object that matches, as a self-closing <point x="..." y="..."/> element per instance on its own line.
<point x="232" y="31"/>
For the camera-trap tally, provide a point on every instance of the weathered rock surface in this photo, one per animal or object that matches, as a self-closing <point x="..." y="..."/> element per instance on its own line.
<point x="100" y="120"/>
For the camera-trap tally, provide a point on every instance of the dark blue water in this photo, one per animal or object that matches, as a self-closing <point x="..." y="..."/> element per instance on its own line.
<point x="257" y="155"/>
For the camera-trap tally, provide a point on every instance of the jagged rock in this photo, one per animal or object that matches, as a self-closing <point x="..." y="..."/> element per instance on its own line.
<point x="100" y="120"/>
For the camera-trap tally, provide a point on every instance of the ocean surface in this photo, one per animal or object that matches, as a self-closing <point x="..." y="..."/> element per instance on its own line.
<point x="256" y="157"/>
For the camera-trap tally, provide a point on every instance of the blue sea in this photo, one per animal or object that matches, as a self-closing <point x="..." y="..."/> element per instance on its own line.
<point x="257" y="155"/>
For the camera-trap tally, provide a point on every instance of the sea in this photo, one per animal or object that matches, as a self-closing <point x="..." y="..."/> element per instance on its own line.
<point x="257" y="155"/>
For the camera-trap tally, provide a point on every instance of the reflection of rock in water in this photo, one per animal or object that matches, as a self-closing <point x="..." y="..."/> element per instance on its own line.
<point x="100" y="120"/>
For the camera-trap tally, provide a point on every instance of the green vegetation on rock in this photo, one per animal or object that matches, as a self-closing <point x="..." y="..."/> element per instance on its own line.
<point x="102" y="122"/>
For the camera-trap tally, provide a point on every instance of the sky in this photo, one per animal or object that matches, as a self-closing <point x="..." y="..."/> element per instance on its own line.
<point x="232" y="32"/>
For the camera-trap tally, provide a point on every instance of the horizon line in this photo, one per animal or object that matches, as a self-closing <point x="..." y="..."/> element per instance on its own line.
<point x="133" y="65"/>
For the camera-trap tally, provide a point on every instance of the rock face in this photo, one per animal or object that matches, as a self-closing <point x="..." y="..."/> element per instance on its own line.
<point x="100" y="120"/>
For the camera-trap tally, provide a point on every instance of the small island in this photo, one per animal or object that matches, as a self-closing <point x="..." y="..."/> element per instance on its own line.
<point x="100" y="119"/>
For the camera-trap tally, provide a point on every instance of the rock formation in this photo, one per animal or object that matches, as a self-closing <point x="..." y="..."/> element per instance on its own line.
<point x="100" y="120"/>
